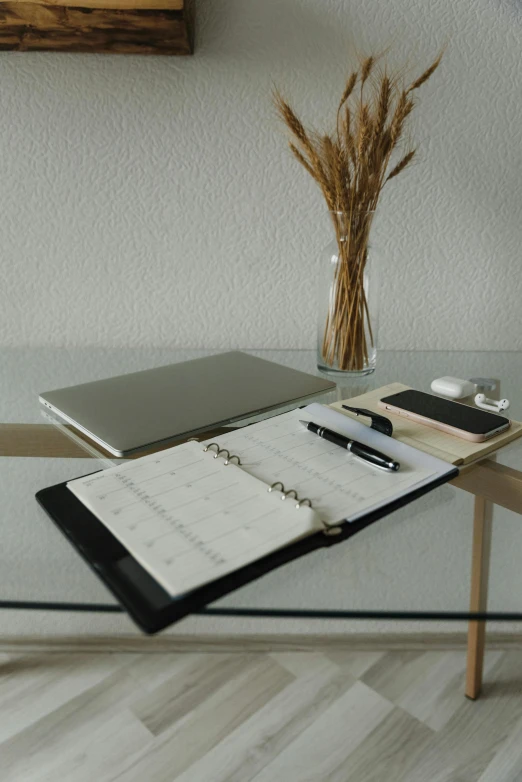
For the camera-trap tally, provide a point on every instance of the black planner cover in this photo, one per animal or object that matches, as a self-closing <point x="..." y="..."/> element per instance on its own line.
<point x="144" y="599"/>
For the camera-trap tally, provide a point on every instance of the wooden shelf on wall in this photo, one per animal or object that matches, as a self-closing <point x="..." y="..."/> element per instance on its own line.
<point x="106" y="26"/>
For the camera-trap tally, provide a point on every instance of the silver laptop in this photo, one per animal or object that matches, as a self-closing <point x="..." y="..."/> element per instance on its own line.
<point x="128" y="413"/>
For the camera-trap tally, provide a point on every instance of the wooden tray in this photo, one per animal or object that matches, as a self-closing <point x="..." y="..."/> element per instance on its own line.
<point x="445" y="446"/>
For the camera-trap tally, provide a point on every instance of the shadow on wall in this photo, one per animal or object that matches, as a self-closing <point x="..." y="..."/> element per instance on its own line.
<point x="513" y="7"/>
<point x="273" y="36"/>
<point x="285" y="31"/>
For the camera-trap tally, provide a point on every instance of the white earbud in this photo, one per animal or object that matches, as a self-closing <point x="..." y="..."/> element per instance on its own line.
<point x="497" y="406"/>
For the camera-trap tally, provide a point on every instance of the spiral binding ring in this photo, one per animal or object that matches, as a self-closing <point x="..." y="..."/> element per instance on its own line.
<point x="285" y="494"/>
<point x="221" y="451"/>
<point x="276" y="486"/>
<point x="277" y="483"/>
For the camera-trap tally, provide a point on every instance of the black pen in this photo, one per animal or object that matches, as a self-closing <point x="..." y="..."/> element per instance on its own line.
<point x="369" y="455"/>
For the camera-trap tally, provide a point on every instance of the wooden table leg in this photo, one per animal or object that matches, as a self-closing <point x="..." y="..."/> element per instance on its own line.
<point x="482" y="525"/>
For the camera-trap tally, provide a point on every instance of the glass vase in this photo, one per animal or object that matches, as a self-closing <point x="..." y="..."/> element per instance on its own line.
<point x="348" y="297"/>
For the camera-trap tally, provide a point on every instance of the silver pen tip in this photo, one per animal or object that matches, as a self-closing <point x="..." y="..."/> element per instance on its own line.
<point x="305" y="423"/>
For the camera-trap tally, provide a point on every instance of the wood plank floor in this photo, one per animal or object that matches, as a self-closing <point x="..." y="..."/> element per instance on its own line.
<point x="332" y="716"/>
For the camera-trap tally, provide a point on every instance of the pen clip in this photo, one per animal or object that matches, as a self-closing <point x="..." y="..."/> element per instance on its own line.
<point x="379" y="422"/>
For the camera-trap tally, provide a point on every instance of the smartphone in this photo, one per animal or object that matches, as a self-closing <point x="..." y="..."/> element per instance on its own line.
<point x="451" y="417"/>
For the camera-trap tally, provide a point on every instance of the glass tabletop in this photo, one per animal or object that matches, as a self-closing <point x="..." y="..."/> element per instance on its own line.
<point x="413" y="564"/>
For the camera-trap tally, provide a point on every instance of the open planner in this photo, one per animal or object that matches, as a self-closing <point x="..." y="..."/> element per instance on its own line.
<point x="222" y="512"/>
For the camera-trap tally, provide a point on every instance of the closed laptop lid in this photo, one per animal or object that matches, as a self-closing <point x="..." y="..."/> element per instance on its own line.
<point x="129" y="412"/>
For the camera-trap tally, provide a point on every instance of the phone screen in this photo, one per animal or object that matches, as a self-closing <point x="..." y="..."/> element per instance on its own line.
<point x="446" y="412"/>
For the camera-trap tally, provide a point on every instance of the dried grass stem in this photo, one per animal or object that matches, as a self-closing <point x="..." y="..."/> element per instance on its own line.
<point x="351" y="167"/>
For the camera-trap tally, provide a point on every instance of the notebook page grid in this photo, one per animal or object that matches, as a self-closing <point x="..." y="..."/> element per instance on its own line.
<point x="338" y="484"/>
<point x="189" y="518"/>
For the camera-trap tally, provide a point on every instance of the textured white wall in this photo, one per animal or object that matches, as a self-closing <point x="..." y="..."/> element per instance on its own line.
<point x="152" y="200"/>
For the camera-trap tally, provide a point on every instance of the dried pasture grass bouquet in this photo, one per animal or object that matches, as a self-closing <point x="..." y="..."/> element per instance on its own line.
<point x="352" y="165"/>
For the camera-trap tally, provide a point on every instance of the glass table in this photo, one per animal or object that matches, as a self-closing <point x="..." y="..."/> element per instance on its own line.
<point x="414" y="565"/>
